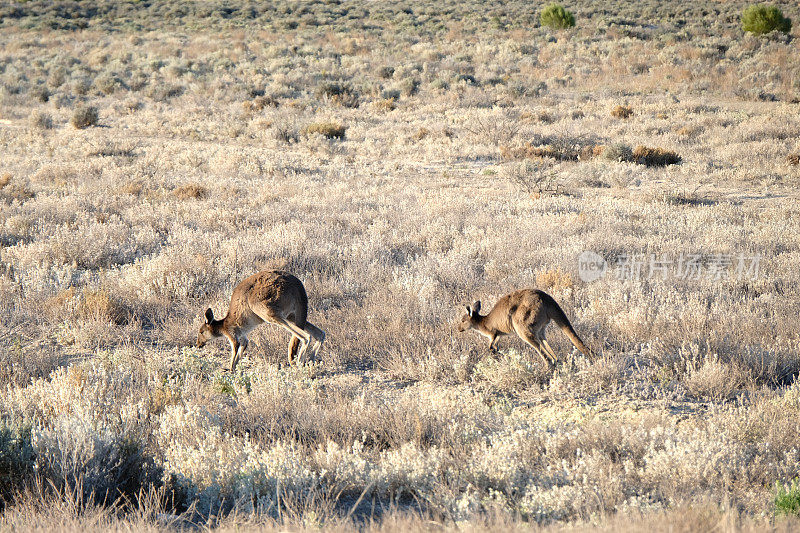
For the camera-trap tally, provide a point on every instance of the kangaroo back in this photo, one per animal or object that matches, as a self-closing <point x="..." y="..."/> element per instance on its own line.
<point x="557" y="315"/>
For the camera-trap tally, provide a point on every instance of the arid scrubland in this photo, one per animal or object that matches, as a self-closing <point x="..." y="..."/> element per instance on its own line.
<point x="402" y="159"/>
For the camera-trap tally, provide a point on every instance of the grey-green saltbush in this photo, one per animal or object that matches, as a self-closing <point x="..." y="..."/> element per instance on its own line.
<point x="618" y="152"/>
<point x="84" y="116"/>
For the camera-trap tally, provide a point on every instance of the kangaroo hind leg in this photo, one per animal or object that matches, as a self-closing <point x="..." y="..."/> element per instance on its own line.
<point x="546" y="346"/>
<point x="319" y="337"/>
<point x="294" y="346"/>
<point x="297" y="331"/>
<point x="531" y="340"/>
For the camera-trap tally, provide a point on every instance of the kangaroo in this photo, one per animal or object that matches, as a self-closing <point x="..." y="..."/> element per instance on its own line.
<point x="271" y="296"/>
<point x="525" y="312"/>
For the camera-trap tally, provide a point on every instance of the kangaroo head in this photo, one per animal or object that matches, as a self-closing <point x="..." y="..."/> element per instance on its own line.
<point x="208" y="330"/>
<point x="469" y="320"/>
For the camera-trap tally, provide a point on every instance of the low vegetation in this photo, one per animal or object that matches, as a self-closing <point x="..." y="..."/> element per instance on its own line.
<point x="763" y="19"/>
<point x="84" y="117"/>
<point x="622" y="111"/>
<point x="471" y="153"/>
<point x="330" y="130"/>
<point x="655" y="157"/>
<point x="787" y="498"/>
<point x="556" y="17"/>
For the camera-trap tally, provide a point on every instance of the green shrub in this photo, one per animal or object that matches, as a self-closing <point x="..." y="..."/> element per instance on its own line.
<point x="787" y="498"/>
<point x="555" y="16"/>
<point x="16" y="458"/>
<point x="84" y="116"/>
<point x="763" y="19"/>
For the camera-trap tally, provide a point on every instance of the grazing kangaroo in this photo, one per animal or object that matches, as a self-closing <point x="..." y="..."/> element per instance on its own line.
<point x="526" y="313"/>
<point x="270" y="296"/>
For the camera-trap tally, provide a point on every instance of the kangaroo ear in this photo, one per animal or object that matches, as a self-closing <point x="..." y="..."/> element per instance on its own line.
<point x="209" y="316"/>
<point x="469" y="310"/>
<point x="476" y="307"/>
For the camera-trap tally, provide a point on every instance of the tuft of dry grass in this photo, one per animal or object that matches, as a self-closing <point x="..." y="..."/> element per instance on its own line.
<point x="713" y="379"/>
<point x="329" y="130"/>
<point x="512" y="370"/>
<point x="617" y="152"/>
<point x="99" y="305"/>
<point x="655" y="157"/>
<point x="622" y="111"/>
<point x="421" y="134"/>
<point x="339" y="94"/>
<point x="191" y="191"/>
<point x="386" y="104"/>
<point x="554" y="279"/>
<point x="259" y="103"/>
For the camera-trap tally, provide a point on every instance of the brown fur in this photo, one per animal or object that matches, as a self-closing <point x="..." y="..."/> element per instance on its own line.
<point x="525" y="313"/>
<point x="270" y="296"/>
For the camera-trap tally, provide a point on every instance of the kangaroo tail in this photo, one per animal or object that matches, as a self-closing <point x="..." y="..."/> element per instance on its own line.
<point x="558" y="316"/>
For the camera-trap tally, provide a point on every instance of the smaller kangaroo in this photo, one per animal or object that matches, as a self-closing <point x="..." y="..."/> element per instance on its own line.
<point x="270" y="296"/>
<point x="525" y="312"/>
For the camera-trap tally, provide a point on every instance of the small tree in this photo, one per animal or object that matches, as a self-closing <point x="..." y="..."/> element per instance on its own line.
<point x="761" y="19"/>
<point x="556" y="17"/>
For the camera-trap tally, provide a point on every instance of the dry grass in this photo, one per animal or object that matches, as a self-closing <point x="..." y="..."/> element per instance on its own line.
<point x="559" y="150"/>
<point x="191" y="191"/>
<point x="330" y="130"/>
<point x="622" y="111"/>
<point x="99" y="305"/>
<point x="655" y="157"/>
<point x="259" y="103"/>
<point x="554" y="280"/>
<point x="478" y="157"/>
<point x="386" y="104"/>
